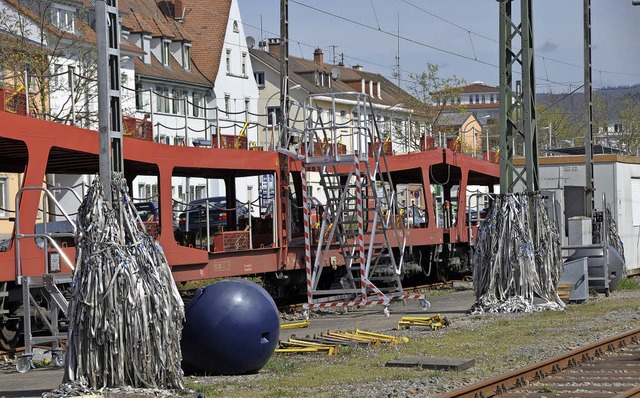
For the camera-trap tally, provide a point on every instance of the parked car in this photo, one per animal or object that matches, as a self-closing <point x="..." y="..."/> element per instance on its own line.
<point x="150" y="212"/>
<point x="194" y="218"/>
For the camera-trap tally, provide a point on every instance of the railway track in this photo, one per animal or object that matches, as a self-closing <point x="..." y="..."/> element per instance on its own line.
<point x="608" y="368"/>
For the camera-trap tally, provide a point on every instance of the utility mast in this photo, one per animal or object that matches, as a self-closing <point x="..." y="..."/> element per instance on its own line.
<point x="517" y="103"/>
<point x="109" y="110"/>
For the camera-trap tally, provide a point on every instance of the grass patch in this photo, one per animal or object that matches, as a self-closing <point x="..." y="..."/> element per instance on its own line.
<point x="628" y="284"/>
<point x="497" y="342"/>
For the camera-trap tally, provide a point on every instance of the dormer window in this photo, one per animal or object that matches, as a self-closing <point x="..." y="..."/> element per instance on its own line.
<point x="186" y="56"/>
<point x="63" y="18"/>
<point x="166" y="53"/>
<point x="145" y="45"/>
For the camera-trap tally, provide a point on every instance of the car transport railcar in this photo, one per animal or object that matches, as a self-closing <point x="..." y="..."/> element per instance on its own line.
<point x="433" y="185"/>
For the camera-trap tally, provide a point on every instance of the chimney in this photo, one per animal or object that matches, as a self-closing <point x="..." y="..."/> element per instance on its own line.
<point x="274" y="46"/>
<point x="357" y="67"/>
<point x="262" y="45"/>
<point x="178" y="10"/>
<point x="318" y="56"/>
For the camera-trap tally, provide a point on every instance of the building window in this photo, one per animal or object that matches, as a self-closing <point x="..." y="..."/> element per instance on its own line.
<point x="259" y="76"/>
<point x="4" y="196"/>
<point x="227" y="104"/>
<point x="483" y="98"/>
<point x="247" y="103"/>
<point x="186" y="57"/>
<point x="57" y="70"/>
<point x="244" y="64"/>
<point x="492" y="98"/>
<point x="477" y="98"/>
<point x="198" y="104"/>
<point x="235" y="27"/>
<point x="63" y="19"/>
<point x="471" y="99"/>
<point x="228" y="62"/>
<point x="166" y="53"/>
<point x="178" y="102"/>
<point x="270" y="113"/>
<point x="162" y="94"/>
<point x="139" y="99"/>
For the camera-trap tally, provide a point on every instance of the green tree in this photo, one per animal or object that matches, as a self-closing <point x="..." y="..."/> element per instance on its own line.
<point x="555" y="125"/>
<point x="430" y="96"/>
<point x="629" y="117"/>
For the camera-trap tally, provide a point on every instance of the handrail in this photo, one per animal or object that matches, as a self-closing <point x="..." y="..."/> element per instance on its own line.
<point x="47" y="195"/>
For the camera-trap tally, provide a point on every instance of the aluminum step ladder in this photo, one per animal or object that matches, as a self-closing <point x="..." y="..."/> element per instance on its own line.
<point x="360" y="219"/>
<point x="48" y="283"/>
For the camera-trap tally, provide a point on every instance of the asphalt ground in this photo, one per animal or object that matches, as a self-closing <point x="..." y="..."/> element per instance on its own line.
<point x="451" y="304"/>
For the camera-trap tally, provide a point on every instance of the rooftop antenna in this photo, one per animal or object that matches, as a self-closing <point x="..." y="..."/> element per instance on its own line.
<point x="333" y="49"/>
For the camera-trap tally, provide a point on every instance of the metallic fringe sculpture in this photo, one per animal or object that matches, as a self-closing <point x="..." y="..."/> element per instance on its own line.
<point x="517" y="258"/>
<point x="125" y="316"/>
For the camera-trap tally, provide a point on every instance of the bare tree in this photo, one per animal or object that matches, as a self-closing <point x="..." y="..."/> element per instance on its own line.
<point x="35" y="47"/>
<point x="431" y="95"/>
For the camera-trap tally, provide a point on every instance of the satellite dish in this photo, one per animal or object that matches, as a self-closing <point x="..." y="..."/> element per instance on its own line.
<point x="335" y="73"/>
<point x="251" y="42"/>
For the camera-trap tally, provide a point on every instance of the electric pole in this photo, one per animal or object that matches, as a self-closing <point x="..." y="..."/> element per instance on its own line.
<point x="109" y="110"/>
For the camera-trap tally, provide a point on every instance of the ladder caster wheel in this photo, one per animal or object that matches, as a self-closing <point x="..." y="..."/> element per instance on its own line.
<point x="607" y="292"/>
<point x="385" y="311"/>
<point x="23" y="365"/>
<point x="57" y="358"/>
<point x="425" y="304"/>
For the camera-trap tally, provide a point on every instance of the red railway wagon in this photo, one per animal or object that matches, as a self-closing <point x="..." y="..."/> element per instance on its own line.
<point x="32" y="148"/>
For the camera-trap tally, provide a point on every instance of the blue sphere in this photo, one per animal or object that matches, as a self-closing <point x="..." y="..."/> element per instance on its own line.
<point x="231" y="327"/>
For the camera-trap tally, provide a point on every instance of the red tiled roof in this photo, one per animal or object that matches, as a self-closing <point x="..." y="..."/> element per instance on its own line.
<point x="204" y="24"/>
<point x="479" y="88"/>
<point x="206" y="21"/>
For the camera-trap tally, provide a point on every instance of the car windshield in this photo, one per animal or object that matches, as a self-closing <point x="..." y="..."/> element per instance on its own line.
<point x="147" y="211"/>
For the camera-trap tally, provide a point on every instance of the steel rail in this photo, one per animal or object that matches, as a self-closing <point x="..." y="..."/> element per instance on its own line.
<point x="519" y="378"/>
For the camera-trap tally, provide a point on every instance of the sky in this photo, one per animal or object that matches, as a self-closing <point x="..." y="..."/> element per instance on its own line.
<point x="461" y="36"/>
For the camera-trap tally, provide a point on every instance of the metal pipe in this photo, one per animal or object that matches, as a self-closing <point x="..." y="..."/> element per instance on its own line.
<point x="72" y="83"/>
